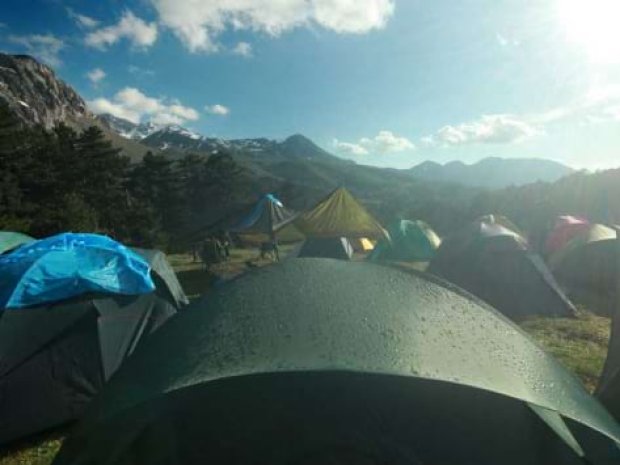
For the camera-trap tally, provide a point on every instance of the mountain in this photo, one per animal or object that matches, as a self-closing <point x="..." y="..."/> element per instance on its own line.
<point x="493" y="172"/>
<point x="35" y="95"/>
<point x="128" y="129"/>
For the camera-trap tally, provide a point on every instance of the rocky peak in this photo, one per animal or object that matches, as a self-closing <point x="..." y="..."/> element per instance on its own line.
<point x="35" y="95"/>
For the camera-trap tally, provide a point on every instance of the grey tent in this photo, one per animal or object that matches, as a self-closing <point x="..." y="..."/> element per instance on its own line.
<point x="164" y="276"/>
<point x="496" y="264"/>
<point x="314" y="359"/>
<point x="55" y="358"/>
<point x="330" y="247"/>
<point x="10" y="240"/>
<point x="587" y="265"/>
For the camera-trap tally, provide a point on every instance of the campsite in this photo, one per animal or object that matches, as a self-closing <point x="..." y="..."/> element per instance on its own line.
<point x="283" y="300"/>
<point x="309" y="232"/>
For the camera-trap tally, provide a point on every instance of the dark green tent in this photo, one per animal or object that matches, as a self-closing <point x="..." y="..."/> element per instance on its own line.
<point x="496" y="264"/>
<point x="332" y="247"/>
<point x="409" y="241"/>
<point x="586" y="265"/>
<point x="608" y="389"/>
<point x="54" y="358"/>
<point x="9" y="240"/>
<point x="313" y="358"/>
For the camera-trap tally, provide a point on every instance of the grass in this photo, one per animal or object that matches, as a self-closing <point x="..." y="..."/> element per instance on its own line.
<point x="580" y="343"/>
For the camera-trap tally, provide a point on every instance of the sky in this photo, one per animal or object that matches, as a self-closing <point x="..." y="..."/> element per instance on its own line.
<point x="382" y="82"/>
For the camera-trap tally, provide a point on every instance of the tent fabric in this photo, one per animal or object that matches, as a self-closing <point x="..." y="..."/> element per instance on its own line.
<point x="501" y="220"/>
<point x="55" y="358"/>
<point x="68" y="265"/>
<point x="268" y="216"/>
<point x="496" y="264"/>
<point x="566" y="228"/>
<point x="409" y="241"/>
<point x="293" y="362"/>
<point x="9" y="240"/>
<point x="608" y="389"/>
<point x="339" y="215"/>
<point x="163" y="275"/>
<point x="588" y="262"/>
<point x="335" y="247"/>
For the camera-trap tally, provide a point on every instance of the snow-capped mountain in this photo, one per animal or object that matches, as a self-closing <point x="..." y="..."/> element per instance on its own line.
<point x="128" y="129"/>
<point x="179" y="139"/>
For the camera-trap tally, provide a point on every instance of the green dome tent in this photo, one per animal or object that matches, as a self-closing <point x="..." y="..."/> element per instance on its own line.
<point x="55" y="357"/>
<point x="497" y="265"/>
<point x="409" y="241"/>
<point x="316" y="358"/>
<point x="9" y="240"/>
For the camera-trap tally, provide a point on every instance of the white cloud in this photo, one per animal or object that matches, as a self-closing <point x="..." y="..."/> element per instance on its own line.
<point x="383" y="143"/>
<point x="140" y="72"/>
<point x="140" y="33"/>
<point x="387" y="142"/>
<point x="243" y="48"/>
<point x="349" y="148"/>
<point x="45" y="47"/>
<point x="96" y="75"/>
<point x="83" y="21"/>
<point x="198" y="24"/>
<point x="217" y="109"/>
<point x="488" y="129"/>
<point x="133" y="105"/>
<point x="502" y="40"/>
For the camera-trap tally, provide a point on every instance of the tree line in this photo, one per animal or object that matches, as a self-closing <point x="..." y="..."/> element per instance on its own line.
<point x="62" y="180"/>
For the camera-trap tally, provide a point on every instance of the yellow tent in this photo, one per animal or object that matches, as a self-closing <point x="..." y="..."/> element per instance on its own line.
<point x="363" y="244"/>
<point x="340" y="215"/>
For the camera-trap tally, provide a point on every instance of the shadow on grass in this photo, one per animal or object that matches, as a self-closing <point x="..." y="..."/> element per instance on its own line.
<point x="196" y="282"/>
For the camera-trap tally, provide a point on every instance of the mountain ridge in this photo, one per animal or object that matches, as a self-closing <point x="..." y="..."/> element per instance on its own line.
<point x="492" y="172"/>
<point x="36" y="96"/>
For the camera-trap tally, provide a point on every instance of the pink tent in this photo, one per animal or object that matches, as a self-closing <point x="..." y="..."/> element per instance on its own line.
<point x="566" y="228"/>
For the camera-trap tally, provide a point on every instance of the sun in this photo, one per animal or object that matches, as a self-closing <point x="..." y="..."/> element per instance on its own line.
<point x="593" y="25"/>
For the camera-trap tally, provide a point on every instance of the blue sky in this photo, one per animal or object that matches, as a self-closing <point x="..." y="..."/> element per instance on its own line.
<point x="383" y="82"/>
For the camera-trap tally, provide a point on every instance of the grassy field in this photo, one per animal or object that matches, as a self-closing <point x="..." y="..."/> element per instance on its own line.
<point x="580" y="344"/>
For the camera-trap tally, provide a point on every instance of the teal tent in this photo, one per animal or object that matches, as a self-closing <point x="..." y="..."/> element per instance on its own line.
<point x="316" y="361"/>
<point x="409" y="241"/>
<point x="10" y="240"/>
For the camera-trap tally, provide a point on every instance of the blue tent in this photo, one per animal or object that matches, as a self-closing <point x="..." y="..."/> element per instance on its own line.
<point x="68" y="265"/>
<point x="268" y="216"/>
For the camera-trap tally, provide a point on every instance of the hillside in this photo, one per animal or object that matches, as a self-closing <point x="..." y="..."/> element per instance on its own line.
<point x="492" y="173"/>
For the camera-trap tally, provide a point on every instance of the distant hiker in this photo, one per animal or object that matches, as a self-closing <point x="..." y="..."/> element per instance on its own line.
<point x="226" y="242"/>
<point x="195" y="251"/>
<point x="211" y="252"/>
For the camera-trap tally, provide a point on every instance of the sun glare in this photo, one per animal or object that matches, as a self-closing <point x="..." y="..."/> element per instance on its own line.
<point x="594" y="25"/>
